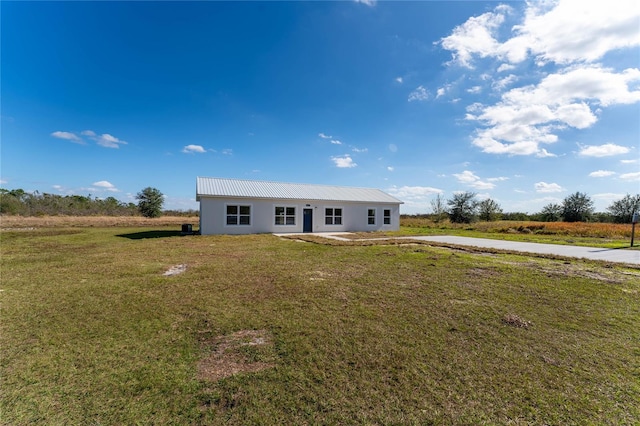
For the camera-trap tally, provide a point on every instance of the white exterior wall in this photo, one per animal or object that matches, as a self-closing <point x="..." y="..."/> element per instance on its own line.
<point x="213" y="216"/>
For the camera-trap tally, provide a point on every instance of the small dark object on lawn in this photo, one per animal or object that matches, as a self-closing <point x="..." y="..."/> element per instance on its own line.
<point x="515" y="321"/>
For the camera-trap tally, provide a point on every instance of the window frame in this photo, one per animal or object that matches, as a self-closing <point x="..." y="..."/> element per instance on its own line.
<point x="238" y="215"/>
<point x="333" y="216"/>
<point x="386" y="218"/>
<point x="285" y="215"/>
<point x="370" y="216"/>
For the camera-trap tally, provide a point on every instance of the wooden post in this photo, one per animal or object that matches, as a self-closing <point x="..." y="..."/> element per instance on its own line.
<point x="634" y="220"/>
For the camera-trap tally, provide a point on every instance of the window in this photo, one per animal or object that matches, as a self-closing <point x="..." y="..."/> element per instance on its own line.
<point x="371" y="216"/>
<point x="387" y="217"/>
<point x="333" y="216"/>
<point x="238" y="215"/>
<point x="285" y="215"/>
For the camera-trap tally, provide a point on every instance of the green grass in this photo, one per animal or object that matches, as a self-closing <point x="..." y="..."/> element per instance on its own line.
<point x="93" y="333"/>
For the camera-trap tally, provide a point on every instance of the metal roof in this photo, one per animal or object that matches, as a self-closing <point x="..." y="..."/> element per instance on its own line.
<point x="241" y="188"/>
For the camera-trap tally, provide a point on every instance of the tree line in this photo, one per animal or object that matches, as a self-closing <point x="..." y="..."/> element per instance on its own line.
<point x="464" y="207"/>
<point x="19" y="202"/>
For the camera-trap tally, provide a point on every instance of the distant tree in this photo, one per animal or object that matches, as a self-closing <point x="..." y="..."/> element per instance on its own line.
<point x="150" y="202"/>
<point x="438" y="208"/>
<point x="622" y="210"/>
<point x="11" y="202"/>
<point x="462" y="207"/>
<point x="552" y="212"/>
<point x="577" y="207"/>
<point x="489" y="210"/>
<point x="19" y="194"/>
<point x="109" y="205"/>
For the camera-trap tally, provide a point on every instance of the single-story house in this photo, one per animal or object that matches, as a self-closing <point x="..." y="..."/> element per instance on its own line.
<point x="238" y="206"/>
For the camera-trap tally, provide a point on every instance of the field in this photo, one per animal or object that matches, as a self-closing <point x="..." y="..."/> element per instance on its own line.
<point x="110" y="324"/>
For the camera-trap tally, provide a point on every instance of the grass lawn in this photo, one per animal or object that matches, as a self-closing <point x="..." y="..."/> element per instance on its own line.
<point x="264" y="330"/>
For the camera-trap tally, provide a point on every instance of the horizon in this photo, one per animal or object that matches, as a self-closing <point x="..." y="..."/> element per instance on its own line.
<point x="522" y="103"/>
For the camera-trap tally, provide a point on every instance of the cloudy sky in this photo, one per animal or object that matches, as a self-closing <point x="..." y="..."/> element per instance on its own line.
<point x="524" y="103"/>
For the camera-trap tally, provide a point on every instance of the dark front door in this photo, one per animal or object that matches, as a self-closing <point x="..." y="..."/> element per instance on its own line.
<point x="307" y="222"/>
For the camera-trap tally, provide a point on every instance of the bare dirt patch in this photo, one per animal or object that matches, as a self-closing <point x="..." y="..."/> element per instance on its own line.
<point x="515" y="321"/>
<point x="245" y="351"/>
<point x="175" y="270"/>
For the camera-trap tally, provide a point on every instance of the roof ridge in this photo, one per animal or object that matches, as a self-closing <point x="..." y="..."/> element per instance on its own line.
<point x="290" y="183"/>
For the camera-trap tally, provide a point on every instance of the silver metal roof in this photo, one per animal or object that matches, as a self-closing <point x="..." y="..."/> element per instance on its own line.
<point x="241" y="188"/>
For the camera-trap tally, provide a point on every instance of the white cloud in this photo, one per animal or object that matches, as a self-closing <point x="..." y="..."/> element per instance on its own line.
<point x="399" y="80"/>
<point x="61" y="189"/>
<point x="572" y="31"/>
<point x="370" y="3"/>
<point x="441" y="92"/>
<point x="354" y="149"/>
<point x="227" y="151"/>
<point x="605" y="150"/>
<point x="108" y="141"/>
<point x="466" y="177"/>
<point x="629" y="161"/>
<point x="419" y="94"/>
<point x="543" y="153"/>
<point x="635" y="176"/>
<point x="502" y="84"/>
<point x="575" y="115"/>
<point x="548" y="187"/>
<point x="344" y="161"/>
<point x="105" y="185"/>
<point x="594" y="83"/>
<point x="3" y="181"/>
<point x="474" y="37"/>
<point x="568" y="33"/>
<point x="492" y="146"/>
<point x="191" y="149"/>
<point x="506" y="67"/>
<point x="469" y="178"/>
<point x="474" y="90"/>
<point x="70" y="136"/>
<point x="336" y="142"/>
<point x="390" y="168"/>
<point x="602" y="173"/>
<point x="323" y="136"/>
<point x="413" y="192"/>
<point x="529" y="116"/>
<point x="561" y="31"/>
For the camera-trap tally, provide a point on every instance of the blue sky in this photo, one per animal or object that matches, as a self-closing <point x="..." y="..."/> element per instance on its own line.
<point x="524" y="103"/>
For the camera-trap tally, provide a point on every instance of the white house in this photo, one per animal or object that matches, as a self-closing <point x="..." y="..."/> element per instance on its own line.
<point x="237" y="206"/>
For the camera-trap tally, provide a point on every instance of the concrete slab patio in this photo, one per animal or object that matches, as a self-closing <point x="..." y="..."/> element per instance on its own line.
<point x="621" y="255"/>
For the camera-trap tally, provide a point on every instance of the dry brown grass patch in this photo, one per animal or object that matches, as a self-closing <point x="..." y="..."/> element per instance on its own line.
<point x="11" y="222"/>
<point x="515" y="321"/>
<point x="245" y="351"/>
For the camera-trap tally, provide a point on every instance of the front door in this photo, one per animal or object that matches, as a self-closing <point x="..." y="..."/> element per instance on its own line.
<point x="307" y="222"/>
